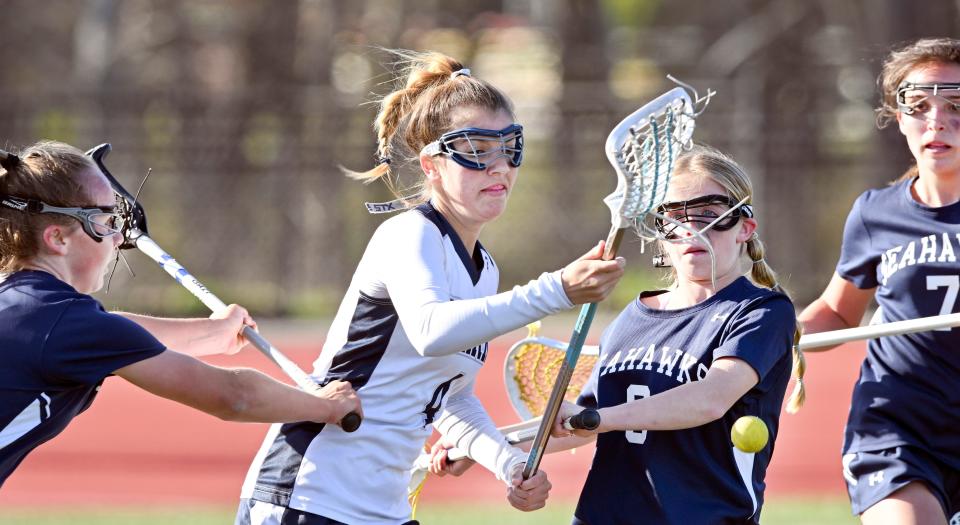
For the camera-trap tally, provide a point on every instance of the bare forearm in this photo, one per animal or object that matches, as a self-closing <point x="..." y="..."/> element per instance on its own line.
<point x="819" y="317"/>
<point x="686" y="406"/>
<point x="262" y="399"/>
<point x="230" y="394"/>
<point x="187" y="336"/>
<point x="840" y="306"/>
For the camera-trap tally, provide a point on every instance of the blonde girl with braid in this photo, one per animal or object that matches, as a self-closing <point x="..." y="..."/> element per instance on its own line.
<point x="413" y="328"/>
<point x="679" y="366"/>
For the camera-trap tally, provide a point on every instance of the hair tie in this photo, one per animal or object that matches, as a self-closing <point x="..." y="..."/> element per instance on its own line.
<point x="462" y="71"/>
<point x="383" y="160"/>
<point x="8" y="160"/>
<point x="757" y="261"/>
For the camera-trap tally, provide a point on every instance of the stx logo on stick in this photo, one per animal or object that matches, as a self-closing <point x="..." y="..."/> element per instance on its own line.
<point x="172" y="267"/>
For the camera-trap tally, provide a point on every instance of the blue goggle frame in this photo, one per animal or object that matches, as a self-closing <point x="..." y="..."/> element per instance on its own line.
<point x="508" y="143"/>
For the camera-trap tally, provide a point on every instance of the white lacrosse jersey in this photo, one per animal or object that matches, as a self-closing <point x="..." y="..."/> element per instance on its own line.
<point x="410" y="336"/>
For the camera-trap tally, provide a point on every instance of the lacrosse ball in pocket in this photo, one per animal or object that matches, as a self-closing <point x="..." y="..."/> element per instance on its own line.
<point x="749" y="434"/>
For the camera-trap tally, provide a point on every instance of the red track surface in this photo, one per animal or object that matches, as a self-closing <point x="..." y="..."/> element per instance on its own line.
<point x="134" y="448"/>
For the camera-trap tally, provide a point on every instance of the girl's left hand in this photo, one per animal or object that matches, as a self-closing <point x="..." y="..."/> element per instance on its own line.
<point x="228" y="324"/>
<point x="568" y="410"/>
<point x="439" y="464"/>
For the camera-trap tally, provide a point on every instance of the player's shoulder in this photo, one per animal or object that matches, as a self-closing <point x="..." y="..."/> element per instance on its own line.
<point x="413" y="222"/>
<point x="888" y="195"/>
<point x="752" y="296"/>
<point x="39" y="295"/>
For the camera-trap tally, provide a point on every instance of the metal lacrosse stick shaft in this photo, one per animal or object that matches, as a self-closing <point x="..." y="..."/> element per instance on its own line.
<point x="135" y="235"/>
<point x="144" y="243"/>
<point x="642" y="148"/>
<point x="908" y="326"/>
<point x="577" y="340"/>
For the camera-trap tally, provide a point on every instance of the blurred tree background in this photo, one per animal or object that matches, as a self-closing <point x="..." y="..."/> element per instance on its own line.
<point x="245" y="110"/>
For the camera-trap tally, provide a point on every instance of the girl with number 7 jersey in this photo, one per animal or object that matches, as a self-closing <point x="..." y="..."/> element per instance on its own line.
<point x="412" y="330"/>
<point x="901" y="451"/>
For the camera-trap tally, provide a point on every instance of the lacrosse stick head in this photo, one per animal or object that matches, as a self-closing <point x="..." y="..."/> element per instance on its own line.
<point x="530" y="370"/>
<point x="135" y="219"/>
<point x="643" y="149"/>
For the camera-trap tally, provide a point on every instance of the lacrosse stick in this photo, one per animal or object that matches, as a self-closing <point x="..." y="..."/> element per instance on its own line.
<point x="529" y="371"/>
<point x="531" y="364"/>
<point x="135" y="236"/>
<point x="909" y="326"/>
<point x="642" y="148"/>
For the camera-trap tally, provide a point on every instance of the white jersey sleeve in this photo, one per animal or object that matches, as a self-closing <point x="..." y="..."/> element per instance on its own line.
<point x="466" y="425"/>
<point x="416" y="279"/>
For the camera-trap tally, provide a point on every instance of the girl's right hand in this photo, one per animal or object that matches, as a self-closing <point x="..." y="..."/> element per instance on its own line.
<point x="340" y="400"/>
<point x="590" y="279"/>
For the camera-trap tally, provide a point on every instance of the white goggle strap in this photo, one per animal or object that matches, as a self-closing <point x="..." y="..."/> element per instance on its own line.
<point x="400" y="204"/>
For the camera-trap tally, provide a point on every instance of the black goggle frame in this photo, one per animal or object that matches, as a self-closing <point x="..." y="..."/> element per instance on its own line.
<point x="688" y="214"/>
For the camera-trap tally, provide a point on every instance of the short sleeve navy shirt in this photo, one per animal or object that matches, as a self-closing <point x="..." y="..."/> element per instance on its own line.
<point x="56" y="348"/>
<point x="908" y="383"/>
<point x="691" y="475"/>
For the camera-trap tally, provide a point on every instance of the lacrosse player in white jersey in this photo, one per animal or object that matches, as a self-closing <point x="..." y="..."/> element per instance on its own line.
<point x="412" y="331"/>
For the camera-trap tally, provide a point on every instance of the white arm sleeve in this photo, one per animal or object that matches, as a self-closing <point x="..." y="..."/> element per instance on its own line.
<point x="466" y="425"/>
<point x="414" y="271"/>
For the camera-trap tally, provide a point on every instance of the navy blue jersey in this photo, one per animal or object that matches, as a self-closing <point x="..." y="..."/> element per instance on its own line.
<point x="56" y="347"/>
<point x="693" y="475"/>
<point x="907" y="390"/>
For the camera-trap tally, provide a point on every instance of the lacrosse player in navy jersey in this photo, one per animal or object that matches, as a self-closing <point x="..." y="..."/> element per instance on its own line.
<point x="412" y="330"/>
<point x="59" y="231"/>
<point x="679" y="366"/>
<point x="901" y="452"/>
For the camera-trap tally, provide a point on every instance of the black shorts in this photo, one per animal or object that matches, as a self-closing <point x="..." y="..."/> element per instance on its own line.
<point x="874" y="475"/>
<point x="270" y="514"/>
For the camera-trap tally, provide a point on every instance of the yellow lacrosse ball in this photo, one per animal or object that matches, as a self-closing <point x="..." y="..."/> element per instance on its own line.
<point x="749" y="434"/>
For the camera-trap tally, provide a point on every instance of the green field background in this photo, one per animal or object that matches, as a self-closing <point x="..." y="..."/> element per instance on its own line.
<point x="794" y="511"/>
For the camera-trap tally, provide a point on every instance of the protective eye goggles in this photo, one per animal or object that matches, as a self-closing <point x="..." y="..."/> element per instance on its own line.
<point x="701" y="212"/>
<point x="477" y="148"/>
<point x="97" y="221"/>
<point x="913" y="98"/>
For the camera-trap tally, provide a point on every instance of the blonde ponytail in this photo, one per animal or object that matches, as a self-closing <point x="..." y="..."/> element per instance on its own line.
<point x="762" y="274"/>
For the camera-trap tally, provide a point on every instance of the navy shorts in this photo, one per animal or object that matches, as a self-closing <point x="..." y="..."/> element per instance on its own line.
<point x="253" y="512"/>
<point x="873" y="476"/>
